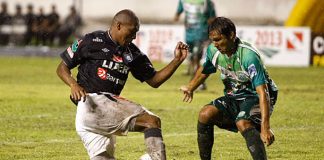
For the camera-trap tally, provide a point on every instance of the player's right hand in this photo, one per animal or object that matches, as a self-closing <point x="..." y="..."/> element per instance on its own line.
<point x="77" y="92"/>
<point x="188" y="94"/>
<point x="267" y="136"/>
<point x="181" y="51"/>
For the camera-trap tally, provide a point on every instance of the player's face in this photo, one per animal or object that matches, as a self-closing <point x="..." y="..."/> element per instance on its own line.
<point x="221" y="42"/>
<point x="128" y="33"/>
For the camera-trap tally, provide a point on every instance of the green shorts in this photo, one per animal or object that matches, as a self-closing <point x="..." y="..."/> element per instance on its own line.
<point x="237" y="108"/>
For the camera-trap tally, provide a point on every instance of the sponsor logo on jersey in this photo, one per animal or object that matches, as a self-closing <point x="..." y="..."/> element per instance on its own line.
<point x="129" y="57"/>
<point x="252" y="71"/>
<point x="75" y="45"/>
<point x="120" y="67"/>
<point x="97" y="39"/>
<point x="102" y="73"/>
<point x="105" y="50"/>
<point x="117" y="58"/>
<point x="69" y="51"/>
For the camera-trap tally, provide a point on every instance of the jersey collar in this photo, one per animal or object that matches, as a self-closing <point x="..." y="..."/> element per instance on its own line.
<point x="108" y="33"/>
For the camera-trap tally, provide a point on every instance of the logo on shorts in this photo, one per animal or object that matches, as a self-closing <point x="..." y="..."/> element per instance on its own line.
<point x="102" y="73"/>
<point x="241" y="114"/>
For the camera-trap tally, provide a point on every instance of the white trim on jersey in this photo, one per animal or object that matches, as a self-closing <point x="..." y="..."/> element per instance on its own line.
<point x="214" y="60"/>
<point x="250" y="47"/>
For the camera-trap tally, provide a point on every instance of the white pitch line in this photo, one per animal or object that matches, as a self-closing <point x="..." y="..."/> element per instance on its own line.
<point x="138" y="135"/>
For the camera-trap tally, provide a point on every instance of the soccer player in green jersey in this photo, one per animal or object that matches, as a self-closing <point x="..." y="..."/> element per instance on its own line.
<point x="198" y="13"/>
<point x="249" y="93"/>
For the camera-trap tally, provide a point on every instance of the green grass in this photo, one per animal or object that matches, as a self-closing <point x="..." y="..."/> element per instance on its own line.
<point x="37" y="118"/>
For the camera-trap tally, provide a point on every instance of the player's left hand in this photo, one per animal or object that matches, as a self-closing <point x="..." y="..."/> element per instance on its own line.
<point x="181" y="51"/>
<point x="188" y="95"/>
<point x="267" y="136"/>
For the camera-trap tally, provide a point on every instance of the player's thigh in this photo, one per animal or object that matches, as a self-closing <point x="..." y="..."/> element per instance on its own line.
<point x="225" y="118"/>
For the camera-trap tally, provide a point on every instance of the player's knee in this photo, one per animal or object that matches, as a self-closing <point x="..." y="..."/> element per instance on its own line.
<point x="242" y="125"/>
<point x="206" y="114"/>
<point x="153" y="122"/>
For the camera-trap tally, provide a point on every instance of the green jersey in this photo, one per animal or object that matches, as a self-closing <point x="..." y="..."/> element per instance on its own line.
<point x="197" y="13"/>
<point x="241" y="73"/>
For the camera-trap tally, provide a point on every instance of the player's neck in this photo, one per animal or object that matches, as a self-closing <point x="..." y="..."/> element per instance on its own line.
<point x="112" y="37"/>
<point x="232" y="49"/>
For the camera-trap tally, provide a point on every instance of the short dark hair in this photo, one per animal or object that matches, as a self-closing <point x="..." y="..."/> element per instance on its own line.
<point x="223" y="25"/>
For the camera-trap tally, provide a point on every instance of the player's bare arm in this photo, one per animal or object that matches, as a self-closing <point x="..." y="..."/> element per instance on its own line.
<point x="77" y="92"/>
<point x="176" y="17"/>
<point x="180" y="54"/>
<point x="266" y="134"/>
<point x="193" y="85"/>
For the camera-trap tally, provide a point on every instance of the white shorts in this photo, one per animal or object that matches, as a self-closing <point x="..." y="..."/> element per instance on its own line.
<point x="96" y="144"/>
<point x="101" y="117"/>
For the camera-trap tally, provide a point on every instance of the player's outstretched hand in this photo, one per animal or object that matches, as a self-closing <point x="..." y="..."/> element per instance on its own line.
<point x="188" y="95"/>
<point x="267" y="136"/>
<point x="181" y="51"/>
<point x="77" y="92"/>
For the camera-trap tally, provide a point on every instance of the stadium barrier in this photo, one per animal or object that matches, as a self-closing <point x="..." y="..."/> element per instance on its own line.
<point x="317" y="50"/>
<point x="279" y="46"/>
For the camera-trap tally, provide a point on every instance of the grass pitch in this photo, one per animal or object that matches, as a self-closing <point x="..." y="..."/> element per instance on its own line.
<point x="37" y="118"/>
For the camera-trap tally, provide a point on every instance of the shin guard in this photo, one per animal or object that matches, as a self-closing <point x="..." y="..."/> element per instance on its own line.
<point x="254" y="144"/>
<point x="205" y="140"/>
<point x="154" y="144"/>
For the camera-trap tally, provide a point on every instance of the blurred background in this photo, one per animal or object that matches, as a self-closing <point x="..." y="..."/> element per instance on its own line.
<point x="280" y="29"/>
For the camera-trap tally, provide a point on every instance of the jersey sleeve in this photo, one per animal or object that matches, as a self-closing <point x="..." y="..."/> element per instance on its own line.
<point x="211" y="9"/>
<point x="75" y="53"/>
<point x="253" y="65"/>
<point x="180" y="7"/>
<point x="142" y="68"/>
<point x="208" y="66"/>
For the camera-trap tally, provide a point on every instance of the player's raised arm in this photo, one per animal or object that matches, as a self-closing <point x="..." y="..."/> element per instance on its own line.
<point x="193" y="85"/>
<point x="180" y="54"/>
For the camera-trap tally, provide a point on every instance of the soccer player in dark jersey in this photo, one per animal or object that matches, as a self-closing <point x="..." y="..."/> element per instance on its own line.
<point x="104" y="59"/>
<point x="249" y="93"/>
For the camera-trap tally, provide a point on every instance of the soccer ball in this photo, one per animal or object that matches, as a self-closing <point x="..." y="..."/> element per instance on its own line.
<point x="145" y="157"/>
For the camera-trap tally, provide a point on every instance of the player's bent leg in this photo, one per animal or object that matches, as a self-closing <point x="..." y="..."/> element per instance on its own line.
<point x="102" y="156"/>
<point x="151" y="125"/>
<point x="98" y="146"/>
<point x="253" y="139"/>
<point x="146" y="121"/>
<point x="205" y="129"/>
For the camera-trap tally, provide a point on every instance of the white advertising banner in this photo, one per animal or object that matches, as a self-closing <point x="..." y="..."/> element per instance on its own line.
<point x="279" y="46"/>
<point x="159" y="41"/>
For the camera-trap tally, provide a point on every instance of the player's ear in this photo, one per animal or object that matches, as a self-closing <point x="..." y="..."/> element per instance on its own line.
<point x="118" y="25"/>
<point x="233" y="36"/>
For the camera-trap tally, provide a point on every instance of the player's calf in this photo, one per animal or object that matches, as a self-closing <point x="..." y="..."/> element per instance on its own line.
<point x="254" y="143"/>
